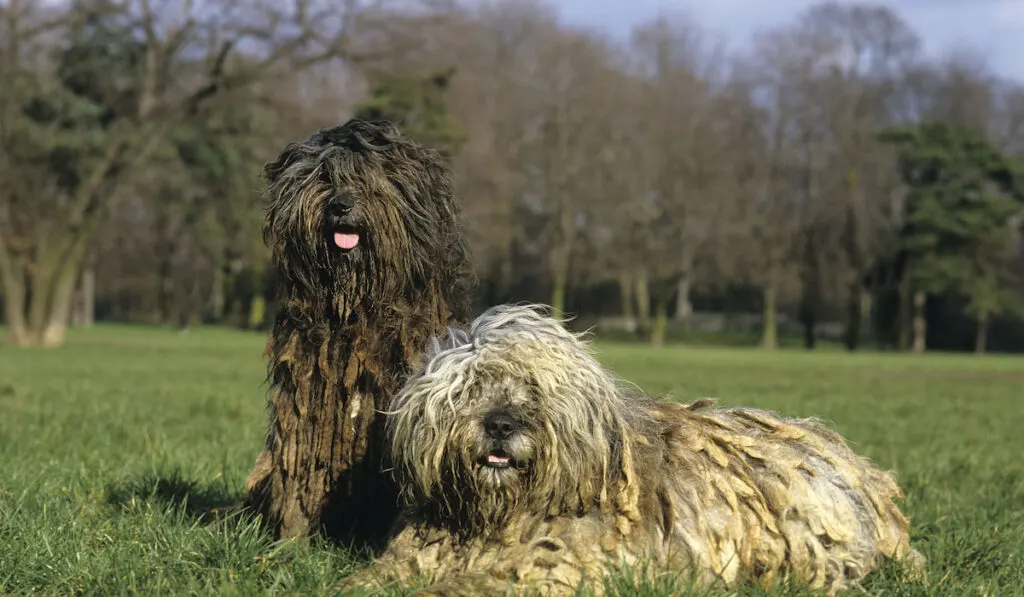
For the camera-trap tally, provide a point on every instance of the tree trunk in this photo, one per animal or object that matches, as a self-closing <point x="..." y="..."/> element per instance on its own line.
<point x="59" y="312"/>
<point x="231" y="298"/>
<point x="190" y="306"/>
<point x="508" y="250"/>
<point x="89" y="297"/>
<point x="42" y="319"/>
<point x="809" y="318"/>
<point x="660" y="324"/>
<point x="920" y="323"/>
<point x="84" y="304"/>
<point x="257" y="311"/>
<point x="626" y="298"/>
<point x="164" y="301"/>
<point x="981" y="334"/>
<point x="810" y="282"/>
<point x="769" y="333"/>
<point x="906" y="313"/>
<point x="558" y="293"/>
<point x="49" y="309"/>
<point x="561" y="258"/>
<point x="854" y="316"/>
<point x="165" y="285"/>
<point x="865" y="315"/>
<point x="218" y="295"/>
<point x="505" y="276"/>
<point x="684" y="308"/>
<point x="809" y="312"/>
<point x="643" y="303"/>
<point x="14" y="309"/>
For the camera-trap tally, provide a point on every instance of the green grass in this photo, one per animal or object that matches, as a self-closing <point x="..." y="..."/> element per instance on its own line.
<point x="120" y="452"/>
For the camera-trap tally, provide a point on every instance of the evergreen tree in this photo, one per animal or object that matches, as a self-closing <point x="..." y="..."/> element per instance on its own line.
<point x="416" y="104"/>
<point x="963" y="198"/>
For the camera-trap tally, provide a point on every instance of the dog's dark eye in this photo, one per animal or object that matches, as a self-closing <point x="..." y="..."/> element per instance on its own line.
<point x="530" y="390"/>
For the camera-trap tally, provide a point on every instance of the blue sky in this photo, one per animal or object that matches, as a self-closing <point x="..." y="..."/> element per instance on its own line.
<point x="993" y="27"/>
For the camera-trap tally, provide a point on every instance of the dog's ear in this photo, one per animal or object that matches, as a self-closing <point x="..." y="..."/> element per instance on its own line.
<point x="292" y="153"/>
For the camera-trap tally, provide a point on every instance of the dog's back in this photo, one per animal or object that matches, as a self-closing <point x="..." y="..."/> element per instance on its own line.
<point x="757" y="496"/>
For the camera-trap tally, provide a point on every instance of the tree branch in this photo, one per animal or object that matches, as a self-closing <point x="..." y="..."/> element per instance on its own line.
<point x="216" y="76"/>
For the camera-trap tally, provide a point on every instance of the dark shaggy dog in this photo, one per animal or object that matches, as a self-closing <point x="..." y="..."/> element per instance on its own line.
<point x="526" y="462"/>
<point x="368" y="245"/>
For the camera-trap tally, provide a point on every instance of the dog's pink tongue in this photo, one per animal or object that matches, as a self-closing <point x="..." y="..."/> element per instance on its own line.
<point x="346" y="241"/>
<point x="495" y="459"/>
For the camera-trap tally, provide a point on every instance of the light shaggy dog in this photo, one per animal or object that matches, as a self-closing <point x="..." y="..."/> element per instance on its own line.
<point x="522" y="460"/>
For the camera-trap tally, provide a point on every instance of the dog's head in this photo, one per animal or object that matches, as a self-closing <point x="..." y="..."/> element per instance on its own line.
<point x="362" y="209"/>
<point x="515" y="413"/>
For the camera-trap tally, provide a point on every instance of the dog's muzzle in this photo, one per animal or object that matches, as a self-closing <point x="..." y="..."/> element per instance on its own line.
<point x="499" y="427"/>
<point x="340" y="229"/>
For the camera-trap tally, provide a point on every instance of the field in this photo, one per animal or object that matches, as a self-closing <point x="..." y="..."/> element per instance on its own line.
<point x="120" y="452"/>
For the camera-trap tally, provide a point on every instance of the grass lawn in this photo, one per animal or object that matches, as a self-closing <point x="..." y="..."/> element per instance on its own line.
<point x="119" y="451"/>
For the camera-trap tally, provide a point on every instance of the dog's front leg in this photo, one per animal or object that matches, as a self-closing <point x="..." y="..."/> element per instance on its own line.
<point x="285" y="486"/>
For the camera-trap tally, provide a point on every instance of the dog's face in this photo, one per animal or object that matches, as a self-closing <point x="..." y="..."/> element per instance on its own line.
<point x="500" y="422"/>
<point x="349" y="221"/>
<point x="360" y="209"/>
<point x="345" y="224"/>
<point x="514" y="414"/>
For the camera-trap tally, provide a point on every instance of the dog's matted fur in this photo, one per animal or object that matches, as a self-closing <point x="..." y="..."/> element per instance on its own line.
<point x="368" y="246"/>
<point x="522" y="460"/>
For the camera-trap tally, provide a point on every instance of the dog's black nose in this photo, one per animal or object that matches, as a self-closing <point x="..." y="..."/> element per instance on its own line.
<point x="499" y="425"/>
<point x="340" y="205"/>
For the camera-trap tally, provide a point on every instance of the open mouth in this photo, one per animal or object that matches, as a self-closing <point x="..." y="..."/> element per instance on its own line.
<point x="498" y="459"/>
<point x="346" y="238"/>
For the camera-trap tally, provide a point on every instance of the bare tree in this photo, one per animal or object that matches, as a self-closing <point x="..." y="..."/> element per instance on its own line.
<point x="495" y="99"/>
<point x="1009" y="119"/>
<point x="563" y="145"/>
<point x="178" y="59"/>
<point x="675" y="70"/>
<point x="625" y="204"/>
<point x="864" y="53"/>
<point x="779" y="175"/>
<point x="961" y="90"/>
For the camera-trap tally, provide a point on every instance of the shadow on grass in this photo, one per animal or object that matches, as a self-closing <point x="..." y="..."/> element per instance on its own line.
<point x="202" y="502"/>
